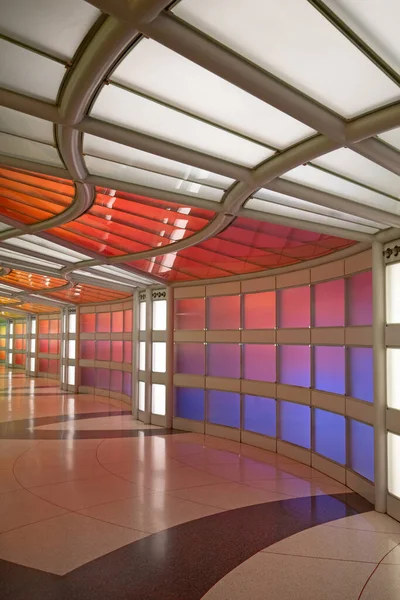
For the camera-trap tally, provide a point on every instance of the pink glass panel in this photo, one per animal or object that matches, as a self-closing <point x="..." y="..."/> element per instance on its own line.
<point x="103" y="322"/>
<point x="116" y="381"/>
<point x="190" y="313"/>
<point x="260" y="310"/>
<point x="54" y="325"/>
<point x="116" y="351"/>
<point x="223" y="360"/>
<point x="117" y="321"/>
<point x="44" y="346"/>
<point x="88" y="376"/>
<point x="43" y="365"/>
<point x="43" y="326"/>
<point x="190" y="358"/>
<point x="54" y="346"/>
<point x="127" y="384"/>
<point x="103" y="379"/>
<point x="53" y="365"/>
<point x="128" y="352"/>
<point x="224" y="312"/>
<point x="88" y="323"/>
<point x="329" y="304"/>
<point x="88" y="349"/>
<point x="359" y="299"/>
<point x="294" y="307"/>
<point x="259" y="362"/>
<point x="294" y="365"/>
<point x="127" y="321"/>
<point x="103" y="350"/>
<point x="329" y="362"/>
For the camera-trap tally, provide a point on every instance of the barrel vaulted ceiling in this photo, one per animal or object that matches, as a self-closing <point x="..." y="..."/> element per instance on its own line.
<point x="148" y="141"/>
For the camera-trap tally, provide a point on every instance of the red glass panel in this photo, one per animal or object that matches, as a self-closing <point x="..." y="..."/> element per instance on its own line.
<point x="359" y="299"/>
<point x="43" y="326"/>
<point x="329" y="304"/>
<point x="117" y="321"/>
<point x="190" y="313"/>
<point x="2" y="355"/>
<point x="88" y="375"/>
<point x="19" y="344"/>
<point x="128" y="321"/>
<point x="54" y="346"/>
<point x="224" y="312"/>
<point x="88" y="322"/>
<point x="128" y="352"/>
<point x="43" y="346"/>
<point x="116" y="351"/>
<point x="103" y="350"/>
<point x="53" y="367"/>
<point x="87" y="349"/>
<point x="54" y="326"/>
<point x="19" y="359"/>
<point x="260" y="310"/>
<point x="43" y="365"/>
<point x="294" y="307"/>
<point x="103" y="322"/>
<point x="102" y="379"/>
<point x="116" y="381"/>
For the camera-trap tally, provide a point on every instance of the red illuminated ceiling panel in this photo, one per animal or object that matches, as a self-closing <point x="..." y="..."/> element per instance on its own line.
<point x="31" y="281"/>
<point x="121" y="223"/>
<point x="32" y="197"/>
<point x="83" y="293"/>
<point x="247" y="246"/>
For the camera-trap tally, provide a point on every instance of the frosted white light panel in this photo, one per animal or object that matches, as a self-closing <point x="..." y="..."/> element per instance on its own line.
<point x="33" y="327"/>
<point x="10" y="342"/>
<point x="159" y="357"/>
<point x="393" y="293"/>
<point x="10" y="358"/>
<point x="72" y="349"/>
<point x="142" y="392"/>
<point x="393" y="377"/>
<point x="135" y="112"/>
<point x="72" y="323"/>
<point x="17" y="123"/>
<point x="160" y="315"/>
<point x="142" y="356"/>
<point x="71" y="375"/>
<point x="35" y="151"/>
<point x="33" y="346"/>
<point x="33" y="362"/>
<point x="394" y="464"/>
<point x="11" y="328"/>
<point x="164" y="74"/>
<point x="142" y="316"/>
<point x="158" y="399"/>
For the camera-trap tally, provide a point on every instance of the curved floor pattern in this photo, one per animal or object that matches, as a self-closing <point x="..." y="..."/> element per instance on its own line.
<point x="91" y="513"/>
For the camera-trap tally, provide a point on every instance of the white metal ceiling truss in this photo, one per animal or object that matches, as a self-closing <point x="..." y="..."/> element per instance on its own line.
<point x="354" y="199"/>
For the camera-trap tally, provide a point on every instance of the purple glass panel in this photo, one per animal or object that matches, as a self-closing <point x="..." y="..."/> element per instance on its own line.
<point x="189" y="403"/>
<point x="259" y="415"/>
<point x="224" y="312"/>
<point x="103" y="379"/>
<point x="88" y="376"/>
<point x="259" y="362"/>
<point x="260" y="310"/>
<point x="190" y="313"/>
<point x="190" y="358"/>
<point x="116" y="350"/>
<point x="330" y="369"/>
<point x="87" y="349"/>
<point x="102" y="350"/>
<point x="361" y="373"/>
<point x="294" y="365"/>
<point x="294" y="307"/>
<point x="127" y="384"/>
<point x="359" y="299"/>
<point x="295" y="423"/>
<point x="223" y="408"/>
<point x="116" y="381"/>
<point x="329" y="304"/>
<point x="361" y="459"/>
<point x="330" y="435"/>
<point x="223" y="360"/>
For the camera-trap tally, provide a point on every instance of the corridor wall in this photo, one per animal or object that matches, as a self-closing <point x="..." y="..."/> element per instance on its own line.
<point x="105" y="350"/>
<point x="284" y="363"/>
<point x="48" y="345"/>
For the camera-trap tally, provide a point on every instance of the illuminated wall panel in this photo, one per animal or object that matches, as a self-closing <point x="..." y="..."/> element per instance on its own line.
<point x="88" y="322"/>
<point x="295" y="424"/>
<point x="329" y="304"/>
<point x="43" y="346"/>
<point x="393" y="464"/>
<point x="393" y="377"/>
<point x="160" y="315"/>
<point x="190" y="314"/>
<point x="142" y="395"/>
<point x="103" y="350"/>
<point x="223" y="408"/>
<point x="294" y="307"/>
<point x="259" y="415"/>
<point x="260" y="310"/>
<point x="329" y="370"/>
<point x="223" y="360"/>
<point x="159" y="357"/>
<point x="259" y="362"/>
<point x="190" y="358"/>
<point x="359" y="299"/>
<point x="117" y="321"/>
<point x="117" y="351"/>
<point x="54" y="326"/>
<point x="116" y="379"/>
<point x="361" y="449"/>
<point x="128" y="352"/>
<point x="127" y="384"/>
<point x="224" y="312"/>
<point x="44" y="326"/>
<point x="88" y="349"/>
<point x="393" y="293"/>
<point x="88" y="376"/>
<point x="361" y="373"/>
<point x="330" y="435"/>
<point x="294" y="365"/>
<point x="103" y="322"/>
<point x="189" y="403"/>
<point x="128" y="319"/>
<point x="102" y="379"/>
<point x="43" y="365"/>
<point x="158" y="399"/>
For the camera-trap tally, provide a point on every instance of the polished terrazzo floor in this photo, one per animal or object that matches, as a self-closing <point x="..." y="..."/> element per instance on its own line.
<point x="96" y="505"/>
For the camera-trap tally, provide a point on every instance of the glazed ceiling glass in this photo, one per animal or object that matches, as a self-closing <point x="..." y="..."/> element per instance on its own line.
<point x="210" y="138"/>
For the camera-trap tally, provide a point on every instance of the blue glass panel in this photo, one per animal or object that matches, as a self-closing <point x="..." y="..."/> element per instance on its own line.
<point x="224" y="408"/>
<point x="295" y="423"/>
<point x="361" y="457"/>
<point x="361" y="373"/>
<point x="189" y="403"/>
<point x="330" y="435"/>
<point x="259" y="415"/>
<point x="330" y="369"/>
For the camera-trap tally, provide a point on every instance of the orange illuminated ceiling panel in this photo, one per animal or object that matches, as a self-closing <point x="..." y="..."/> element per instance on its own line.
<point x="121" y="223"/>
<point x="31" y="281"/>
<point x="38" y="308"/>
<point x="82" y="293"/>
<point x="247" y="246"/>
<point x="31" y="197"/>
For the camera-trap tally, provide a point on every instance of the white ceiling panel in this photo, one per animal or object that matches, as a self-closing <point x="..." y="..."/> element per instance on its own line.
<point x="350" y="164"/>
<point x="127" y="155"/>
<point x="18" y="123"/>
<point x="11" y="145"/>
<point x="11" y="256"/>
<point x="333" y="184"/>
<point x="293" y="41"/>
<point x="155" y="70"/>
<point x="121" y="107"/>
<point x="106" y="168"/>
<point x="53" y="26"/>
<point x="36" y="244"/>
<point x="29" y="73"/>
<point x="392" y="137"/>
